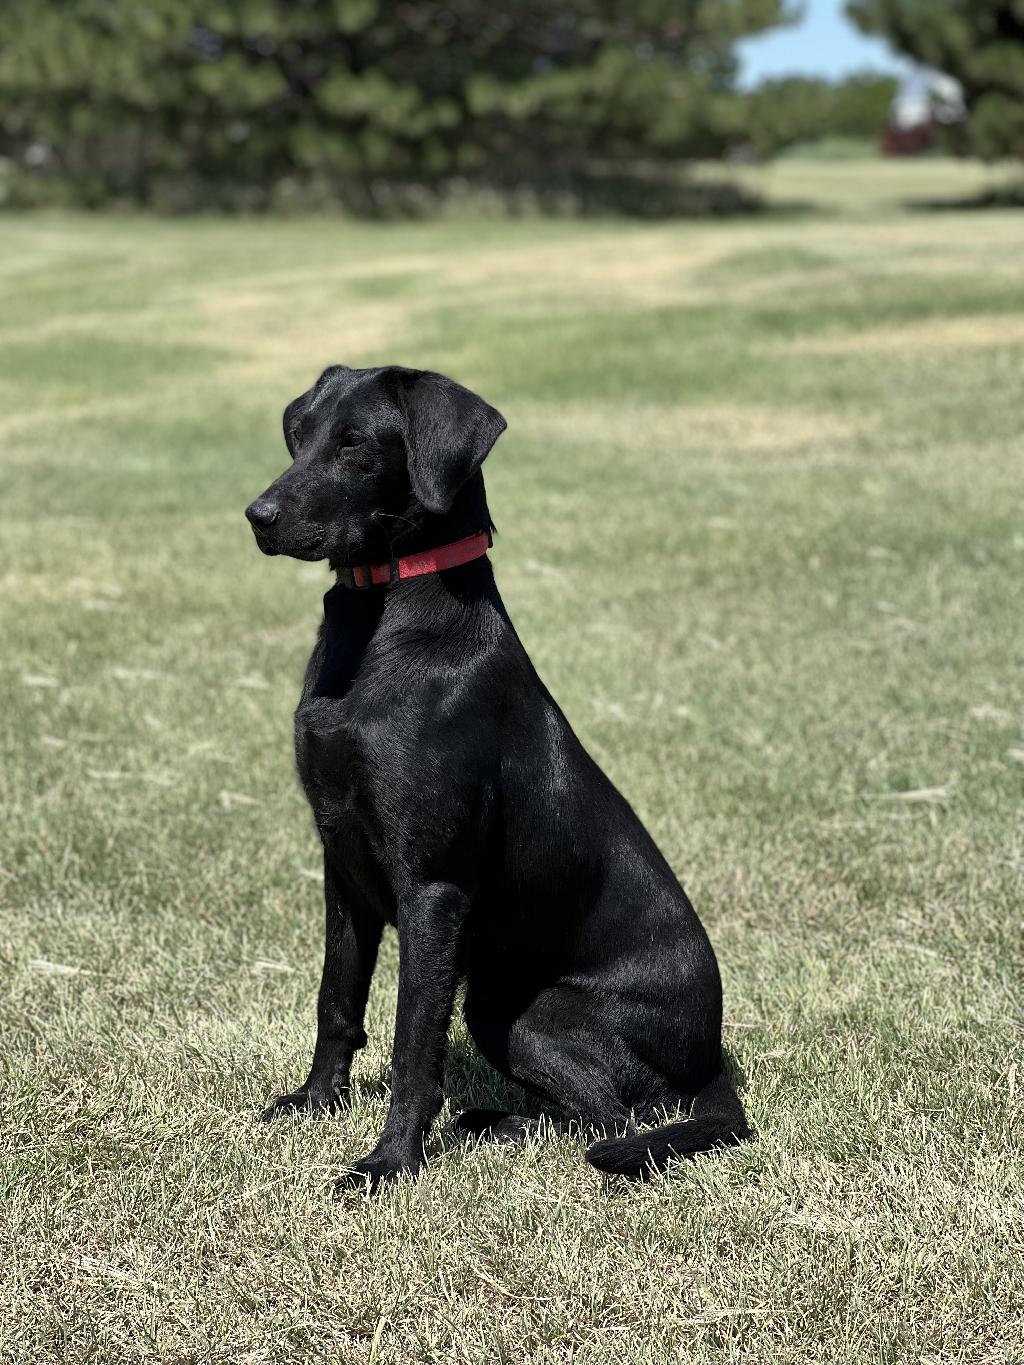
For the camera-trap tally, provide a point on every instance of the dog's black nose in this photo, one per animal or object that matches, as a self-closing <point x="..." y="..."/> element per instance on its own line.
<point x="262" y="514"/>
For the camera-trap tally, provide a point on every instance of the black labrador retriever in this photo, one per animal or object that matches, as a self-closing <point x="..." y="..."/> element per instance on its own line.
<point x="455" y="802"/>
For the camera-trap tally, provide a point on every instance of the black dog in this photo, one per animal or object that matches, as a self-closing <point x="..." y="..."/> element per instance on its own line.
<point x="454" y="802"/>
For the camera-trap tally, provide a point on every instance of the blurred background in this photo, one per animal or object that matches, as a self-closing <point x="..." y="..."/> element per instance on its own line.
<point x="397" y="108"/>
<point x="747" y="280"/>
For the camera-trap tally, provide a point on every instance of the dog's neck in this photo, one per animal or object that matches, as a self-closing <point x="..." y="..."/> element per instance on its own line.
<point x="395" y="537"/>
<point x="392" y="622"/>
<point x="413" y="608"/>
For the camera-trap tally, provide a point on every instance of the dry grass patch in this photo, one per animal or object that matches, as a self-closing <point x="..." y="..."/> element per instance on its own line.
<point x="726" y="428"/>
<point x="956" y="333"/>
<point x="25" y="423"/>
<point x="319" y="326"/>
<point x="651" y="268"/>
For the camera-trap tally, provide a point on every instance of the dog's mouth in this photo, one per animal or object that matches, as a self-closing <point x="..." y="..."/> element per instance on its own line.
<point x="310" y="550"/>
<point x="265" y="543"/>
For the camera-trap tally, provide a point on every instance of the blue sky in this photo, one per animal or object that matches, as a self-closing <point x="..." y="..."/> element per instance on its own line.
<point x="824" y="43"/>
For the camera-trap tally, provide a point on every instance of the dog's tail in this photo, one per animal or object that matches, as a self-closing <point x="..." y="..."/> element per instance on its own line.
<point x="718" y="1121"/>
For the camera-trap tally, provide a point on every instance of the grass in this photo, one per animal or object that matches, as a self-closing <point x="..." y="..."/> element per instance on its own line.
<point x="763" y="532"/>
<point x="866" y="186"/>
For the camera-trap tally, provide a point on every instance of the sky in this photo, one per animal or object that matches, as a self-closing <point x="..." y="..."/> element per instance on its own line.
<point x="824" y="43"/>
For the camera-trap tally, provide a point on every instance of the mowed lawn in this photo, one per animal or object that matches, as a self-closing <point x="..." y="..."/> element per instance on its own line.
<point x="761" y="516"/>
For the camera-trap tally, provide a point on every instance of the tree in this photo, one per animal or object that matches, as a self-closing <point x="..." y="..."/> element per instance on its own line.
<point x="241" y="99"/>
<point x="780" y="113"/>
<point x="978" y="42"/>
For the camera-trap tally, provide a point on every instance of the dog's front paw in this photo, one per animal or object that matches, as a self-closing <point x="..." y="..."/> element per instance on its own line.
<point x="306" y="1100"/>
<point x="377" y="1169"/>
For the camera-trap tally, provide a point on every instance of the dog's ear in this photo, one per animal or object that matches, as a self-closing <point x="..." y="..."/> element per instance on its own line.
<point x="450" y="433"/>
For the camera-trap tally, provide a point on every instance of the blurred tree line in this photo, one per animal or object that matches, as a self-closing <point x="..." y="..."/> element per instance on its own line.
<point x="382" y="107"/>
<point x="978" y="42"/>
<point x="798" y="109"/>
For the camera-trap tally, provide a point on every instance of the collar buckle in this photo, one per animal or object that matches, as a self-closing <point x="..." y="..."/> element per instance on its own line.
<point x="348" y="579"/>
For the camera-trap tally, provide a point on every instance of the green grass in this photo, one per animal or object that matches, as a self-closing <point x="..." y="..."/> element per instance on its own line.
<point x="834" y="147"/>
<point x="762" y="527"/>
<point x="863" y="186"/>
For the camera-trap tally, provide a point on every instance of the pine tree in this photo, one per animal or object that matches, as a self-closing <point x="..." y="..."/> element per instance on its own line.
<point x="243" y="100"/>
<point x="980" y="43"/>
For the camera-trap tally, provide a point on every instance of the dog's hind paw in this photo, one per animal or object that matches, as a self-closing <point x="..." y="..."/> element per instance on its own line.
<point x="489" y="1125"/>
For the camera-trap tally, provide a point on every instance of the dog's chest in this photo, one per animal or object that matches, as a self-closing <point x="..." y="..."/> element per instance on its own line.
<point x="330" y="758"/>
<point x="340" y="725"/>
<point x="328" y="747"/>
<point x="337" y="775"/>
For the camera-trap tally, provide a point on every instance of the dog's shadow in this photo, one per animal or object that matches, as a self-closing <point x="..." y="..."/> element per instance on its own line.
<point x="470" y="1082"/>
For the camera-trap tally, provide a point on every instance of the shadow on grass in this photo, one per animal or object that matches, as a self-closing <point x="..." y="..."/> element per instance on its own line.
<point x="472" y="1083"/>
<point x="1000" y="197"/>
<point x="734" y="1069"/>
<point x="646" y="192"/>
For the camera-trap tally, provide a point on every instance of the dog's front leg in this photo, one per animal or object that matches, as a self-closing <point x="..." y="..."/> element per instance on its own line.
<point x="430" y="924"/>
<point x="350" y="954"/>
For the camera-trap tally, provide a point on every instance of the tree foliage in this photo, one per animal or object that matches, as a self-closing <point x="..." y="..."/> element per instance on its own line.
<point x="797" y="109"/>
<point x="248" y="101"/>
<point x="980" y="43"/>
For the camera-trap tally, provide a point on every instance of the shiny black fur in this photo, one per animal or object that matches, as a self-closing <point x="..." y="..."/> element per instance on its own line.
<point x="454" y="802"/>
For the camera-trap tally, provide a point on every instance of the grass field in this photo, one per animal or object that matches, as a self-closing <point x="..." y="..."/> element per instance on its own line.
<point x="762" y="529"/>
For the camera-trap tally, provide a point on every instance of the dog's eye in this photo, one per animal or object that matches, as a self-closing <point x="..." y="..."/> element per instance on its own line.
<point x="351" y="440"/>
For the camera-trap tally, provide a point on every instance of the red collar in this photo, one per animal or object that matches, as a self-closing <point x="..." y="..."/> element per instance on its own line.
<point x="412" y="566"/>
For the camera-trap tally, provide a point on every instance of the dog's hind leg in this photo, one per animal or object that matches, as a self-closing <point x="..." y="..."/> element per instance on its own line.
<point x="560" y="1050"/>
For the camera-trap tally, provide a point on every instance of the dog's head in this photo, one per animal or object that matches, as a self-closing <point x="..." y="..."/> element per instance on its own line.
<point x="377" y="457"/>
